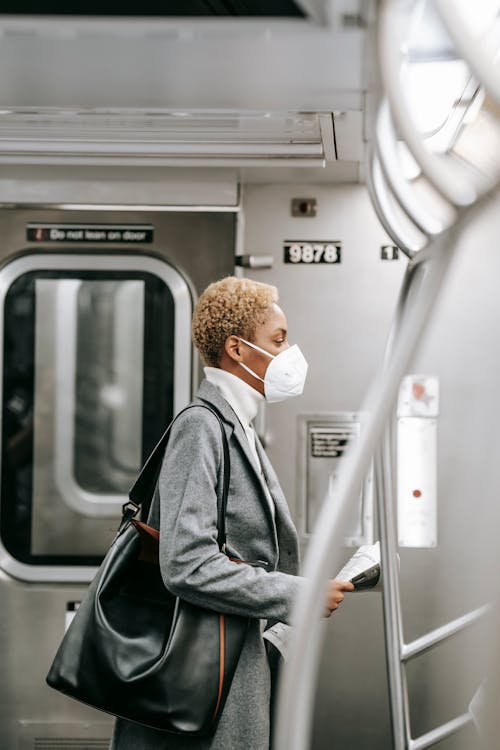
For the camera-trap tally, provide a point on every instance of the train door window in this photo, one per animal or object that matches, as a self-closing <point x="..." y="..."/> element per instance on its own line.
<point x="96" y="359"/>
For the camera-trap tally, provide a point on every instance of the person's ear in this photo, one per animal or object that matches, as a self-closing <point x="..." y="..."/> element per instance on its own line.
<point x="232" y="347"/>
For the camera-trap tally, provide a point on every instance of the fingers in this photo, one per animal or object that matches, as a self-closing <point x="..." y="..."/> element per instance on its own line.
<point x="335" y="597"/>
<point x="345" y="585"/>
<point x="331" y="607"/>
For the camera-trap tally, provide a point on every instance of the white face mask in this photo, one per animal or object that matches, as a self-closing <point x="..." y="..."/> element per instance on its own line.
<point x="285" y="375"/>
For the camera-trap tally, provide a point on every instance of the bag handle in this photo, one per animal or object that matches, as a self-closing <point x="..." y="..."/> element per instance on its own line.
<point x="144" y="486"/>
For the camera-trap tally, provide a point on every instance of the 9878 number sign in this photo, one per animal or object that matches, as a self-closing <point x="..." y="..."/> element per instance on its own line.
<point x="312" y="253"/>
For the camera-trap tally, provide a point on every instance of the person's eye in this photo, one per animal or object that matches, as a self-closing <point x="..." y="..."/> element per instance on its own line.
<point x="279" y="342"/>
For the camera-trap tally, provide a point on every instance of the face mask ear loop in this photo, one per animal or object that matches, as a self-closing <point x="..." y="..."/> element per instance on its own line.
<point x="251" y="372"/>
<point x="262" y="351"/>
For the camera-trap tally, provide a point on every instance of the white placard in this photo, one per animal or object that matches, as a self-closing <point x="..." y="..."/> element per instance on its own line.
<point x="417" y="482"/>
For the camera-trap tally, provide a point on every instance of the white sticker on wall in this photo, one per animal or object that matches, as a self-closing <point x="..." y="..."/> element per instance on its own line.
<point x="419" y="396"/>
<point x="417" y="481"/>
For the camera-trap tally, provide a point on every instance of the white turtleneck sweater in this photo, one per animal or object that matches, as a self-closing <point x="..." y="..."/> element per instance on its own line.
<point x="244" y="401"/>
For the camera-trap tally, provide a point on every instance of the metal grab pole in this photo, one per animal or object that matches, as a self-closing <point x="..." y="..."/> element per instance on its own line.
<point x="443" y="633"/>
<point x="481" y="57"/>
<point x="455" y="181"/>
<point x="391" y="600"/>
<point x="299" y="675"/>
<point x="295" y="700"/>
<point x="387" y="150"/>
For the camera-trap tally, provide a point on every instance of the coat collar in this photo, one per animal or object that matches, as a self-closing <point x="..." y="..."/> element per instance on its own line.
<point x="282" y="527"/>
<point x="211" y="393"/>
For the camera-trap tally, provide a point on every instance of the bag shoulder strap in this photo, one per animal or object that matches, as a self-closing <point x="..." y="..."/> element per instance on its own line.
<point x="144" y="486"/>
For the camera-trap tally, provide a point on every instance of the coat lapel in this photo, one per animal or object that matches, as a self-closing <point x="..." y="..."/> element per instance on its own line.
<point x="285" y="528"/>
<point x="208" y="392"/>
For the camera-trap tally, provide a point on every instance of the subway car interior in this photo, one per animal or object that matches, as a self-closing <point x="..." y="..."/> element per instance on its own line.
<point x="348" y="152"/>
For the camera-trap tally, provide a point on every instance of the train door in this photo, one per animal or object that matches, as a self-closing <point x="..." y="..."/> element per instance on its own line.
<point x="95" y="360"/>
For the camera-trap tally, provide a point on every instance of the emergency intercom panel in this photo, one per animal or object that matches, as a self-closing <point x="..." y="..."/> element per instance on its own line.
<point x="324" y="440"/>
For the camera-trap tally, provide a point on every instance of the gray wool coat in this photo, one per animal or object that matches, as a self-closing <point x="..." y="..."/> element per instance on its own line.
<point x="185" y="511"/>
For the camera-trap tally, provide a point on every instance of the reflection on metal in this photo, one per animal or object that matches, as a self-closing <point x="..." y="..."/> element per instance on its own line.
<point x="69" y="291"/>
<point x="388" y="155"/>
<point x="406" y="237"/>
<point x="481" y="54"/>
<point x="379" y="206"/>
<point x="126" y="391"/>
<point x="393" y="619"/>
<point x="120" y="401"/>
<point x="457" y="182"/>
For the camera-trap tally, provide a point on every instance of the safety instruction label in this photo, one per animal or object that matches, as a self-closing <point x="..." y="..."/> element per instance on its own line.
<point x="103" y="233"/>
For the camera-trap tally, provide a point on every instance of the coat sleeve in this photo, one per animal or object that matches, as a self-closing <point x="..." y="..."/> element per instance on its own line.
<point x="192" y="565"/>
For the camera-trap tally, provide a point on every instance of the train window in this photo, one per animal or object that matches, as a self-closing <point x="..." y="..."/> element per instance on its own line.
<point x="88" y="387"/>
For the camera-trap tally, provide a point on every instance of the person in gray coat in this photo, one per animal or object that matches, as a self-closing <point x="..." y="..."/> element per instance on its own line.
<point x="241" y="334"/>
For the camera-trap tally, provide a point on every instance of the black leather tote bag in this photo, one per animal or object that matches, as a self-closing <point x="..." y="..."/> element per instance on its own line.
<point x="136" y="651"/>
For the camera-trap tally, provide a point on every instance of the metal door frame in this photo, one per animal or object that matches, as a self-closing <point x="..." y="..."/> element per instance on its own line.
<point x="182" y="364"/>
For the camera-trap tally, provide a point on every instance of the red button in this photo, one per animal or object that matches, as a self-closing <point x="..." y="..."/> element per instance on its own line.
<point x="417" y="493"/>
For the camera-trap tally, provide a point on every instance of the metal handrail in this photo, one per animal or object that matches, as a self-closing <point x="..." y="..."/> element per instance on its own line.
<point x="440" y="733"/>
<point x="295" y="700"/>
<point x="426" y="276"/>
<point x="384" y="208"/>
<point x="324" y="554"/>
<point x="386" y="143"/>
<point x="378" y="206"/>
<point x="391" y="600"/>
<point x="457" y="183"/>
<point x="443" y="633"/>
<point x="397" y="651"/>
<point x="471" y="49"/>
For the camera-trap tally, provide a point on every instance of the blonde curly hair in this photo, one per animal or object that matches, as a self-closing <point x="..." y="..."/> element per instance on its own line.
<point x="226" y="307"/>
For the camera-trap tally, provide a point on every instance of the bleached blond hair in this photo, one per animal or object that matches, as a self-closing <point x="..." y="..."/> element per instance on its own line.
<point x="228" y="307"/>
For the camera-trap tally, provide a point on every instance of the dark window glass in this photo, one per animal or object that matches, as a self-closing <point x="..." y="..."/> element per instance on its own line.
<point x="87" y="392"/>
<point x="248" y="8"/>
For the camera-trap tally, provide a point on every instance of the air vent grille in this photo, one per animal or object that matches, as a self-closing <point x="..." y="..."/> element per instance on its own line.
<point x="67" y="735"/>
